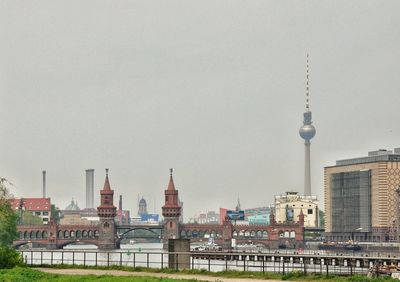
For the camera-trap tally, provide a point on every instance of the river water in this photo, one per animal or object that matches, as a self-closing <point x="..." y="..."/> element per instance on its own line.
<point x="141" y="254"/>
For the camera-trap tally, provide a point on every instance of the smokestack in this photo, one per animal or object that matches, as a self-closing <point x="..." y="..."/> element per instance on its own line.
<point x="120" y="203"/>
<point x="44" y="184"/>
<point x="90" y="188"/>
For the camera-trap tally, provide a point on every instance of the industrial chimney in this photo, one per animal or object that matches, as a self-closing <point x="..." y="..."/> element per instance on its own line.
<point x="90" y="188"/>
<point x="44" y="184"/>
<point x="120" y="203"/>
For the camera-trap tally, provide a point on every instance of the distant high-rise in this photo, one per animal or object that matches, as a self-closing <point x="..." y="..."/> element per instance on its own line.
<point x="44" y="184"/>
<point x="90" y="188"/>
<point x="142" y="207"/>
<point x="307" y="132"/>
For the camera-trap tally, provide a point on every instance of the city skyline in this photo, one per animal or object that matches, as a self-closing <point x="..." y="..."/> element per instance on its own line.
<point x="214" y="90"/>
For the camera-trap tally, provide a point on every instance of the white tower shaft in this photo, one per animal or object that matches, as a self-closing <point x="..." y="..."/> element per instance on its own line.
<point x="307" y="169"/>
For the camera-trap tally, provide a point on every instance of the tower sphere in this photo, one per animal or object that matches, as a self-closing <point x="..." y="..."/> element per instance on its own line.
<point x="307" y="131"/>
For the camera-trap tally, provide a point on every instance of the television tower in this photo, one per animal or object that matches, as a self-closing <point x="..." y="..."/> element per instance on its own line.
<point x="307" y="132"/>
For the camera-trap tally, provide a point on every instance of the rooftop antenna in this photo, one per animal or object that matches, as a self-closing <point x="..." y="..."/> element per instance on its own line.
<point x="308" y="84"/>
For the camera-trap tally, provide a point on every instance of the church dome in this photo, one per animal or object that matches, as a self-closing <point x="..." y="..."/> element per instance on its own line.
<point x="73" y="206"/>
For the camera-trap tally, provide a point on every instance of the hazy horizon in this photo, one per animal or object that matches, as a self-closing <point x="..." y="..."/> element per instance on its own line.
<point x="215" y="90"/>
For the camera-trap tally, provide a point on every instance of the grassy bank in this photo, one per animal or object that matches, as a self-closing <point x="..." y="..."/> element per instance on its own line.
<point x="20" y="274"/>
<point x="292" y="276"/>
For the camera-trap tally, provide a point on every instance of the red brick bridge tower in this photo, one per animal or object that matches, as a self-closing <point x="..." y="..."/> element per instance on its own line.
<point x="171" y="211"/>
<point x="106" y="212"/>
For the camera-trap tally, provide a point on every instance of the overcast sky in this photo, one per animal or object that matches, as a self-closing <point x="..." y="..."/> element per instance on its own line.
<point x="214" y="89"/>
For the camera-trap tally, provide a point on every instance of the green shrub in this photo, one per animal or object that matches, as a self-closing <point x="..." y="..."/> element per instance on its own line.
<point x="21" y="274"/>
<point x="9" y="258"/>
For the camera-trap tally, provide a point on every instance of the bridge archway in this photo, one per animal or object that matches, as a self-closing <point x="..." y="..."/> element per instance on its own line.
<point x="20" y="244"/>
<point x="146" y="233"/>
<point x="77" y="241"/>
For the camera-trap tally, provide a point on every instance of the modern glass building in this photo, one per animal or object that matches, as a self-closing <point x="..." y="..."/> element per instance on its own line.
<point x="361" y="202"/>
<point x="351" y="201"/>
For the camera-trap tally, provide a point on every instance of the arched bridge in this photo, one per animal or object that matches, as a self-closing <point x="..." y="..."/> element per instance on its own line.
<point x="268" y="235"/>
<point x="139" y="232"/>
<point x="55" y="236"/>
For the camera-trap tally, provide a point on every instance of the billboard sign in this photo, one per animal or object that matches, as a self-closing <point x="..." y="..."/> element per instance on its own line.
<point x="149" y="217"/>
<point x="235" y="215"/>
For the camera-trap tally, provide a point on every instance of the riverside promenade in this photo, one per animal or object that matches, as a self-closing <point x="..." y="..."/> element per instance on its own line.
<point x="147" y="274"/>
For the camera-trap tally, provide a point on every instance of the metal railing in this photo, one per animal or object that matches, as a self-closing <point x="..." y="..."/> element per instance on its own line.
<point x="211" y="261"/>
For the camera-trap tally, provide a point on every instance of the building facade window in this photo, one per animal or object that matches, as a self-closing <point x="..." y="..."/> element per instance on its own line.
<point x="351" y="201"/>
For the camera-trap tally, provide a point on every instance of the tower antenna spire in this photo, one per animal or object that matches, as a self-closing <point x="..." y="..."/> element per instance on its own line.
<point x="308" y="84"/>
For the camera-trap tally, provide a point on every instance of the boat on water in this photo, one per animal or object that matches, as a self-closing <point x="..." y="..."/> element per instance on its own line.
<point x="349" y="246"/>
<point x="209" y="246"/>
<point x="249" y="246"/>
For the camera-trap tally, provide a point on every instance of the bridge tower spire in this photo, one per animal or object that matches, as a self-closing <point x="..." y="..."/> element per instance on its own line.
<point x="106" y="212"/>
<point x="171" y="211"/>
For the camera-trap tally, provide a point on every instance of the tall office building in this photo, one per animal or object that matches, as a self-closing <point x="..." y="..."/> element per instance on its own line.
<point x="90" y="188"/>
<point x="361" y="201"/>
<point x="307" y="132"/>
<point x="44" y="184"/>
